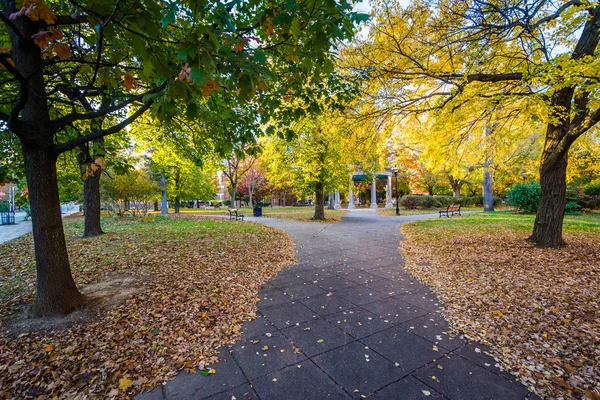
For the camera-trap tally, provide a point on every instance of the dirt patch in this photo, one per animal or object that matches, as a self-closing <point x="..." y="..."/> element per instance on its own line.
<point x="99" y="297"/>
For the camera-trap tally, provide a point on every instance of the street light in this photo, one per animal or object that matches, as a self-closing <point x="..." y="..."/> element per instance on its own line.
<point x="395" y="169"/>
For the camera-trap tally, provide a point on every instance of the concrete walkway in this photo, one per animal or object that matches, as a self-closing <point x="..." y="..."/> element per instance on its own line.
<point x="21" y="227"/>
<point x="347" y="321"/>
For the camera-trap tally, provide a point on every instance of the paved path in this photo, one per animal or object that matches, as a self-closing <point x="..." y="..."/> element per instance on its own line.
<point x="10" y="232"/>
<point x="347" y="321"/>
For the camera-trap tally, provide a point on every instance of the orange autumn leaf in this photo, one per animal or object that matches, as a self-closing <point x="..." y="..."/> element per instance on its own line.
<point x="35" y="10"/>
<point x="129" y="82"/>
<point x="63" y="51"/>
<point x="209" y="87"/>
<point x="240" y="44"/>
<point x="42" y="39"/>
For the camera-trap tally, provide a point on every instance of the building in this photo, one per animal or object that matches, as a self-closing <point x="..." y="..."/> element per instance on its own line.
<point x="222" y="187"/>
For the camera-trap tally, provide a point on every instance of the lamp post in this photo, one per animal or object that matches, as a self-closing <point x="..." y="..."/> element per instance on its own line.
<point x="397" y="199"/>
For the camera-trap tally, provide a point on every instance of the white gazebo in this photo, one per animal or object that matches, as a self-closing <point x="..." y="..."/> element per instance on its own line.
<point x="360" y="175"/>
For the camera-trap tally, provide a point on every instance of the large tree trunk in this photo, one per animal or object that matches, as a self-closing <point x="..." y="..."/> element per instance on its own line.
<point x="456" y="185"/>
<point x="164" y="208"/>
<point x="156" y="205"/>
<point x="488" y="190"/>
<point x="91" y="171"/>
<point x="91" y="195"/>
<point x="547" y="230"/>
<point x="176" y="204"/>
<point x="320" y="202"/>
<point x="456" y="190"/>
<point x="56" y="290"/>
<point x="488" y="182"/>
<point x="251" y="189"/>
<point x="233" y="188"/>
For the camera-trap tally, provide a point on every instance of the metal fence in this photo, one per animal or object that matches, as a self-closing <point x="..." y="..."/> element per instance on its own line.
<point x="7" y="213"/>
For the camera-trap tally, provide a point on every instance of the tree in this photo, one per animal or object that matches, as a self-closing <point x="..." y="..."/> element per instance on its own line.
<point x="236" y="166"/>
<point x="134" y="188"/>
<point x="463" y="52"/>
<point x="316" y="159"/>
<point x="64" y="57"/>
<point x="253" y="184"/>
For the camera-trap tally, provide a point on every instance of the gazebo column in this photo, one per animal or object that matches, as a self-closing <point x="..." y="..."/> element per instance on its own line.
<point x="374" y="193"/>
<point x="336" y="198"/>
<point x="350" y="196"/>
<point x="388" y="202"/>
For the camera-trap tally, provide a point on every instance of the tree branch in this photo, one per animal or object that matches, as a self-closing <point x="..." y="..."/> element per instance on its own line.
<point x="12" y="25"/>
<point x="71" y="144"/>
<point x="70" y="118"/>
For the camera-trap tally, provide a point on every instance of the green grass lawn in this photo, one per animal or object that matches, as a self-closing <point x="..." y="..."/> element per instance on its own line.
<point x="293" y="213"/>
<point x="506" y="220"/>
<point x="391" y="212"/>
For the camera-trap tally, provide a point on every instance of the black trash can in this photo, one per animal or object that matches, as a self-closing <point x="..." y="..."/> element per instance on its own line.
<point x="258" y="211"/>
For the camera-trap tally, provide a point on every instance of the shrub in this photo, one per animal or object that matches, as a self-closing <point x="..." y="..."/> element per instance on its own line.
<point x="410" y="202"/>
<point x="592" y="188"/>
<point x="525" y="197"/>
<point x="572" y="208"/>
<point x="443" y="201"/>
<point x="427" y="202"/>
<point x="227" y="202"/>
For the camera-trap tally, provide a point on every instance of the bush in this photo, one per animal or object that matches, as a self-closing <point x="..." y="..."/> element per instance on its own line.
<point x="410" y="202"/>
<point x="592" y="188"/>
<point x="572" y="208"/>
<point x="427" y="202"/>
<point x="227" y="202"/>
<point x="443" y="201"/>
<point x="586" y="202"/>
<point x="525" y="197"/>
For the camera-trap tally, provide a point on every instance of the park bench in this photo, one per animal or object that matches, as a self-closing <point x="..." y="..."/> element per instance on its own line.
<point x="450" y="210"/>
<point x="234" y="214"/>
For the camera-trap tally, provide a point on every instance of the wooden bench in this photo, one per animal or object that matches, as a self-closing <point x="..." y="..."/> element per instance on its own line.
<point x="450" y="210"/>
<point x="234" y="214"/>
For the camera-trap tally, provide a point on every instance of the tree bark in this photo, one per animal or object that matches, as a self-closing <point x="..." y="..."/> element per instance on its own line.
<point x="488" y="182"/>
<point x="320" y="202"/>
<point x="176" y="204"/>
<point x="250" y="190"/>
<point x="91" y="195"/>
<point x="91" y="186"/>
<point x="56" y="290"/>
<point x="233" y="188"/>
<point x="156" y="206"/>
<point x="164" y="208"/>
<point x="456" y="185"/>
<point x="547" y="230"/>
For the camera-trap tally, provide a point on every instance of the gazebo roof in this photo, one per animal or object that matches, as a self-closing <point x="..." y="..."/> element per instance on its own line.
<point x="360" y="175"/>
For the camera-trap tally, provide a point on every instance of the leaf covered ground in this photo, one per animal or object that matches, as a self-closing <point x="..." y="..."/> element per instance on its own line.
<point x="198" y="278"/>
<point x="539" y="309"/>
